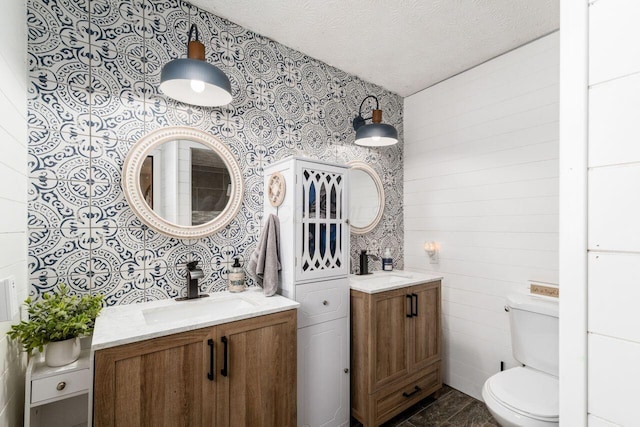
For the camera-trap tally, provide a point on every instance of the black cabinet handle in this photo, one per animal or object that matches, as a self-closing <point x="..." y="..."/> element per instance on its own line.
<point x="415" y="390"/>
<point x="211" y="359"/>
<point x="225" y="371"/>
<point x="414" y="312"/>
<point x="410" y="314"/>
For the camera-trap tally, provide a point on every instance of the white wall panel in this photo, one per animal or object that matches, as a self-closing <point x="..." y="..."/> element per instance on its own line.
<point x="487" y="112"/>
<point x="502" y="126"/>
<point x="481" y="179"/>
<point x="614" y="379"/>
<point x="470" y="143"/>
<point x="486" y="162"/>
<point x="469" y="327"/>
<point x="614" y="108"/>
<point x="12" y="151"/>
<point x="486" y="241"/>
<point x="599" y="422"/>
<point x="492" y="318"/>
<point x="613" y="211"/>
<point x="613" y="36"/>
<point x="531" y="205"/>
<point x="13" y="196"/>
<point x="614" y="208"/>
<point x="509" y="190"/>
<point x="12" y="184"/>
<point x="614" y="292"/>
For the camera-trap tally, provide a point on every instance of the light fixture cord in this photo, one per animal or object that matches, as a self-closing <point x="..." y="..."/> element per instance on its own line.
<point x="362" y="103"/>
<point x="193" y="28"/>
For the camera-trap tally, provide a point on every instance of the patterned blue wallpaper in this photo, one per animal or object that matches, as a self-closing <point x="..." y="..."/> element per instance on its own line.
<point x="94" y="75"/>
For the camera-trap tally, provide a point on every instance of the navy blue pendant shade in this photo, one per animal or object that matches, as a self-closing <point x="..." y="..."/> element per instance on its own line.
<point x="194" y="81"/>
<point x="375" y="134"/>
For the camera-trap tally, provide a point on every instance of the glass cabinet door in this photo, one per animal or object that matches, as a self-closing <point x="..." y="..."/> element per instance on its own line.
<point x="323" y="239"/>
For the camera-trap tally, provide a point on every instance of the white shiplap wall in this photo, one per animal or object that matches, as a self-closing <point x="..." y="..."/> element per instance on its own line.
<point x="481" y="179"/>
<point x="13" y="195"/>
<point x="614" y="213"/>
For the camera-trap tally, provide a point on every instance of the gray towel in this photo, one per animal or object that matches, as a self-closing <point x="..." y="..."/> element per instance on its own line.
<point x="264" y="263"/>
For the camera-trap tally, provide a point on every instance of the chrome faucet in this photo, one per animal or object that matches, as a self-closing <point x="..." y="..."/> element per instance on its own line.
<point x="193" y="274"/>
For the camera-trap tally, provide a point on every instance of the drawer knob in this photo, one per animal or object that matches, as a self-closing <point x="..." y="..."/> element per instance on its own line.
<point x="325" y="302"/>
<point x="346" y="370"/>
<point x="61" y="385"/>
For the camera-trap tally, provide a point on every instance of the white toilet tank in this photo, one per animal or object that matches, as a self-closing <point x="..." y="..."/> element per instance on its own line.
<point x="534" y="332"/>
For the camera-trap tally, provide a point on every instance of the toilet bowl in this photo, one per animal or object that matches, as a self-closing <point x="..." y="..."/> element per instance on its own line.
<point x="522" y="397"/>
<point x="527" y="396"/>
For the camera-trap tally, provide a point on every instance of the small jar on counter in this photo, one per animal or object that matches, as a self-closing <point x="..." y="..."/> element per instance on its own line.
<point x="387" y="261"/>
<point x="236" y="277"/>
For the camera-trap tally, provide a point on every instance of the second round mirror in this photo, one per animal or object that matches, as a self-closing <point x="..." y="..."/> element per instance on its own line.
<point x="366" y="204"/>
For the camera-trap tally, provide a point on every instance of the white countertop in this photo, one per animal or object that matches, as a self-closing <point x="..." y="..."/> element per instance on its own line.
<point x="124" y="324"/>
<point x="381" y="281"/>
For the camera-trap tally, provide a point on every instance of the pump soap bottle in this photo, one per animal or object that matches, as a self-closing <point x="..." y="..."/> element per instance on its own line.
<point x="236" y="277"/>
<point x="387" y="261"/>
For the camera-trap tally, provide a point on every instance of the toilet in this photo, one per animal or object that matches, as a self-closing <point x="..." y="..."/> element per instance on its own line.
<point x="528" y="395"/>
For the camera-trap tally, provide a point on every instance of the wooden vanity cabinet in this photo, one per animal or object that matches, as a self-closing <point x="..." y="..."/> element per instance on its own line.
<point x="157" y="382"/>
<point x="260" y="386"/>
<point x="182" y="379"/>
<point x="395" y="350"/>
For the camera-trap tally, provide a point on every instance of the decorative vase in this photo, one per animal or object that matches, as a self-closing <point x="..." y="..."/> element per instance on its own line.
<point x="59" y="353"/>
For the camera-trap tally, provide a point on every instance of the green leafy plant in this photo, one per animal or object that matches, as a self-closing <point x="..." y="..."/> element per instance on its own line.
<point x="57" y="317"/>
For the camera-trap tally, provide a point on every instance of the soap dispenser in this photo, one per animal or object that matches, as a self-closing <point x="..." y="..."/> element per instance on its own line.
<point x="236" y="277"/>
<point x="387" y="261"/>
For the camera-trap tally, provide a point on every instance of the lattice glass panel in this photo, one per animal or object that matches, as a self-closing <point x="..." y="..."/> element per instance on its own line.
<point x="322" y="245"/>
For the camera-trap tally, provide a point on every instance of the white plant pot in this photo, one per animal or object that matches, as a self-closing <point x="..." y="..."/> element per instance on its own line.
<point x="59" y="353"/>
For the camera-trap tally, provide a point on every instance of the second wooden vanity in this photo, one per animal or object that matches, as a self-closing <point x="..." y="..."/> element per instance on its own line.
<point x="395" y="344"/>
<point x="237" y="373"/>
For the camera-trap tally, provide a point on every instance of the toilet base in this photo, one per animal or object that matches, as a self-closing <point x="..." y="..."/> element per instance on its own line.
<point x="509" y="418"/>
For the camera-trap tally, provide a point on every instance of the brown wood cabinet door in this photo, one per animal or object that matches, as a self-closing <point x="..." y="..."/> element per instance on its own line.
<point x="389" y="326"/>
<point x="158" y="382"/>
<point x="258" y="386"/>
<point x="424" y="345"/>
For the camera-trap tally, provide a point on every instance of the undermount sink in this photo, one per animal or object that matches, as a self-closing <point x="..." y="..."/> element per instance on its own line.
<point x="383" y="277"/>
<point x="381" y="281"/>
<point x="203" y="307"/>
<point x="387" y="278"/>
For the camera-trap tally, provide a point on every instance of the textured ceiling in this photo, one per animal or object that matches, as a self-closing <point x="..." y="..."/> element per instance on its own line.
<point x="401" y="45"/>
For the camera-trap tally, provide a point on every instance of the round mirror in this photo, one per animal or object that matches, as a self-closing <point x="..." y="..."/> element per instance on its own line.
<point x="366" y="203"/>
<point x="182" y="182"/>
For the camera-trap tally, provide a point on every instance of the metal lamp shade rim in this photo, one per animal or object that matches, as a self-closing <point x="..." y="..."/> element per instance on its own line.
<point x="176" y="77"/>
<point x="376" y="135"/>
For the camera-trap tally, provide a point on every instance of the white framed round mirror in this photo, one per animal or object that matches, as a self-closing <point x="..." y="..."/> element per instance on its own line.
<point x="366" y="200"/>
<point x="182" y="182"/>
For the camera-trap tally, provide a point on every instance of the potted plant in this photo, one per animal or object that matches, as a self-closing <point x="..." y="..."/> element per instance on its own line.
<point x="57" y="321"/>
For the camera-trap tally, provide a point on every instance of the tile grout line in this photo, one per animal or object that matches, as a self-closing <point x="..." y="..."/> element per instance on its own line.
<point x="460" y="410"/>
<point x="408" y="420"/>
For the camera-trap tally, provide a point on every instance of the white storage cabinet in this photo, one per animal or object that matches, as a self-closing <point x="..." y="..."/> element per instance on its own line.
<point x="314" y="250"/>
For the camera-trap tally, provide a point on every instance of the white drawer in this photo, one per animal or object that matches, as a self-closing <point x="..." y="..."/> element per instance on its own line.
<point x="43" y="389"/>
<point x="322" y="301"/>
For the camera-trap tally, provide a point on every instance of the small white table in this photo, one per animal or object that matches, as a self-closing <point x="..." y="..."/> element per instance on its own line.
<point x="57" y="397"/>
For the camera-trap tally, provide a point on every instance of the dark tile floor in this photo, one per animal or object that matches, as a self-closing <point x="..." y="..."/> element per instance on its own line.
<point x="451" y="409"/>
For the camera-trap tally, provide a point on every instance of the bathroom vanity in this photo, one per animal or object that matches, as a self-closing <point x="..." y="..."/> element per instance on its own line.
<point x="395" y="343"/>
<point x="226" y="360"/>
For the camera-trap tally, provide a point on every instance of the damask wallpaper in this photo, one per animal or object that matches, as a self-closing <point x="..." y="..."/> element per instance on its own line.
<point x="94" y="75"/>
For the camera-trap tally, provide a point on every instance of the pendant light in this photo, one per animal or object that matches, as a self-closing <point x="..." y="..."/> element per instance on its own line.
<point x="375" y="134"/>
<point x="194" y="81"/>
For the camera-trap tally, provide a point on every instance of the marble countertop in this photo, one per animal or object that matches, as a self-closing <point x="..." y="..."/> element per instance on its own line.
<point x="125" y="324"/>
<point x="381" y="281"/>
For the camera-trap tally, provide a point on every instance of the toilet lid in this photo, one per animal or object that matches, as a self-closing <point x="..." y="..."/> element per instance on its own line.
<point x="532" y="393"/>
